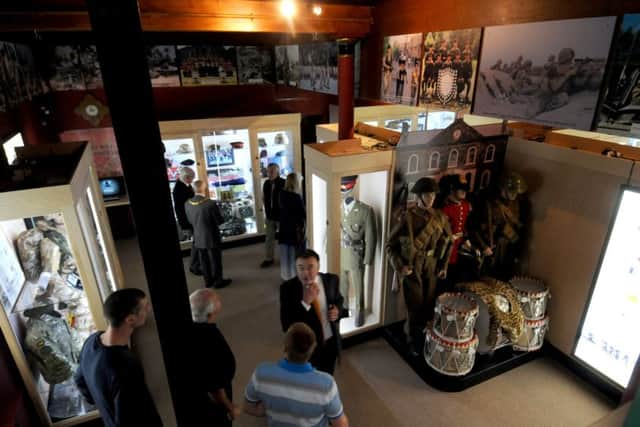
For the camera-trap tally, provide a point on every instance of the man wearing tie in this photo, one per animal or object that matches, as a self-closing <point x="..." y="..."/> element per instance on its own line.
<point x="314" y="298"/>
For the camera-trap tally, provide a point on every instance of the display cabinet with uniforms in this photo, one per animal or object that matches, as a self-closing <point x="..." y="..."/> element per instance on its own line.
<point x="232" y="154"/>
<point x="57" y="265"/>
<point x="347" y="213"/>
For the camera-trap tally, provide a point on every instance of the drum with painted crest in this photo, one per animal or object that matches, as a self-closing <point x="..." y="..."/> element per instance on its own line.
<point x="533" y="296"/>
<point x="455" y="317"/>
<point x="532" y="337"/>
<point x="449" y="357"/>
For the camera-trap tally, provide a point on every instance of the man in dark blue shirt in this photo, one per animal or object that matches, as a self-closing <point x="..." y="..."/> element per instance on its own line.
<point x="109" y="375"/>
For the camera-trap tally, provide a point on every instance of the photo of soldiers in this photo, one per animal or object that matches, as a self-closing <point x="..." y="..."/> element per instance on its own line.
<point x="163" y="66"/>
<point x="65" y="72"/>
<point x="359" y="240"/>
<point x="500" y="229"/>
<point x="287" y="62"/>
<point x="319" y="67"/>
<point x="552" y="80"/>
<point x="456" y="50"/>
<point x="418" y="248"/>
<point x="620" y="109"/>
<point x="255" y="65"/>
<point x="400" y="61"/>
<point x="207" y="65"/>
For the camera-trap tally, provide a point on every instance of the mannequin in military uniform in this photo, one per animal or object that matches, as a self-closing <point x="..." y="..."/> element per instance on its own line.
<point x="419" y="248"/>
<point x="501" y="226"/>
<point x="359" y="239"/>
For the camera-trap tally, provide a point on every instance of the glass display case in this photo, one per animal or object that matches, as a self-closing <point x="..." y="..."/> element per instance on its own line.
<point x="348" y="189"/>
<point x="389" y="116"/>
<point x="233" y="154"/>
<point x="57" y="265"/>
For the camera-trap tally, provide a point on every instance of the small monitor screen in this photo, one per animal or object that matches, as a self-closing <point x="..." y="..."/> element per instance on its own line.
<point x="111" y="187"/>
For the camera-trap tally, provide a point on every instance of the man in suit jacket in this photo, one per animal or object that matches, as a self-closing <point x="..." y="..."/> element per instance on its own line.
<point x="205" y="216"/>
<point x="271" y="196"/>
<point x="314" y="298"/>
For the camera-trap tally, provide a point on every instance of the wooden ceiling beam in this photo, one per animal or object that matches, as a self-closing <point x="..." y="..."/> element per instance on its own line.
<point x="205" y="16"/>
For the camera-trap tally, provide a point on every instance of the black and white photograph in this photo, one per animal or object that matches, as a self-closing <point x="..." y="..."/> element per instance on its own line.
<point x="287" y="63"/>
<point x="19" y="77"/>
<point x="90" y="66"/>
<point x="163" y="66"/>
<point x="401" y="57"/>
<point x="208" y="65"/>
<point x="449" y="64"/>
<point x="549" y="73"/>
<point x="255" y="65"/>
<point x="620" y="108"/>
<point x="319" y="67"/>
<point x="66" y="73"/>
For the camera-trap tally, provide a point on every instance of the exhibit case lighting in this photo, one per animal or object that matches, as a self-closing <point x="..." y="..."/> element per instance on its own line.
<point x="608" y="339"/>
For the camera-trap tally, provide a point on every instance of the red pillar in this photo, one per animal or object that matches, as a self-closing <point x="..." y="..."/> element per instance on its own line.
<point x="345" y="88"/>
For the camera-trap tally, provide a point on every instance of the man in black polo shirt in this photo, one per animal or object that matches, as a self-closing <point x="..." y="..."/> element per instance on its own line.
<point x="109" y="374"/>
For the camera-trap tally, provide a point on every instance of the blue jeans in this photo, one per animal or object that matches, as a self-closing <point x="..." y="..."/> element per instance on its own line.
<point x="288" y="261"/>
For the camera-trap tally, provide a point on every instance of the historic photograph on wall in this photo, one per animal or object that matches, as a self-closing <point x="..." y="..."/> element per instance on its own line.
<point x="449" y="64"/>
<point x="545" y="72"/>
<point x="163" y="66"/>
<point x="90" y="66"/>
<point x="620" y="108"/>
<point x="319" y="67"/>
<point x="19" y="77"/>
<point x="255" y="65"/>
<point x="66" y="72"/>
<point x="287" y="63"/>
<point x="207" y="65"/>
<point x="401" y="68"/>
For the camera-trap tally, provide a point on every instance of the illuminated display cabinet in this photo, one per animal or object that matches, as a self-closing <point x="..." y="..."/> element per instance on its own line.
<point x="57" y="265"/>
<point x="232" y="154"/>
<point x="348" y="188"/>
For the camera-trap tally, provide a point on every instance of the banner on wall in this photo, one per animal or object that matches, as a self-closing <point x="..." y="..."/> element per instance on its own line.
<point x="401" y="68"/>
<point x="544" y="72"/>
<point x="163" y="66"/>
<point x="287" y="65"/>
<point x="620" y="109"/>
<point x="104" y="148"/>
<point x="449" y="64"/>
<point x="255" y="65"/>
<point x="208" y="65"/>
<point x="318" y="67"/>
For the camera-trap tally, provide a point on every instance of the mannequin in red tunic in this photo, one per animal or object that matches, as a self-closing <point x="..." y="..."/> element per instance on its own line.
<point x="457" y="209"/>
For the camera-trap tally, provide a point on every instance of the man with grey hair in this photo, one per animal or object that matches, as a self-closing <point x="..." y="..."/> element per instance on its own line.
<point x="182" y="192"/>
<point x="270" y="197"/>
<point x="216" y="365"/>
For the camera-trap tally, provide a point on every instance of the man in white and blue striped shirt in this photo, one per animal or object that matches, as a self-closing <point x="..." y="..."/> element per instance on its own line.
<point x="291" y="392"/>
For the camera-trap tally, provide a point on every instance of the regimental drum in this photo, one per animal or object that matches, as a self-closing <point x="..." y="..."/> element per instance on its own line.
<point x="455" y="317"/>
<point x="532" y="337"/>
<point x="490" y="336"/>
<point x="449" y="357"/>
<point x="532" y="295"/>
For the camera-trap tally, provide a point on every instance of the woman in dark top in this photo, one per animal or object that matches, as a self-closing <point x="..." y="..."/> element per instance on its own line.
<point x="216" y="364"/>
<point x="292" y="227"/>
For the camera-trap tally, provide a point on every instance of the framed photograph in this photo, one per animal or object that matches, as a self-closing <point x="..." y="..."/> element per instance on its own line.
<point x="619" y="112"/>
<point x="163" y="66"/>
<point x="219" y="156"/>
<point x="207" y="65"/>
<point x="548" y="73"/>
<point x="66" y="71"/>
<point x="449" y="65"/>
<point x="401" y="57"/>
<point x="255" y="65"/>
<point x="287" y="65"/>
<point x="319" y="67"/>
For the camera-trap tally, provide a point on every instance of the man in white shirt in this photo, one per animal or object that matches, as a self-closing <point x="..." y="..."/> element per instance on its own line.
<point x="314" y="298"/>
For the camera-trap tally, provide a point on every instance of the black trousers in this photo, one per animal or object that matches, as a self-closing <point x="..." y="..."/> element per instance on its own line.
<point x="210" y="261"/>
<point x="324" y="358"/>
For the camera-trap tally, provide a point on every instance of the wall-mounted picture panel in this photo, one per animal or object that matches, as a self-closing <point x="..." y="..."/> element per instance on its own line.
<point x="319" y="67"/>
<point x="163" y="66"/>
<point x="207" y="65"/>
<point x="287" y="62"/>
<point x="401" y="68"/>
<point x="544" y="72"/>
<point x="255" y="65"/>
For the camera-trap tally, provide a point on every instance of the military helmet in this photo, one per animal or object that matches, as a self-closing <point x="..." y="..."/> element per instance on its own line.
<point x="513" y="182"/>
<point x="453" y="182"/>
<point x="425" y="185"/>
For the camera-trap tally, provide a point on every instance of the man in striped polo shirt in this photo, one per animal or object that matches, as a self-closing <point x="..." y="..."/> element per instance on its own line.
<point x="293" y="393"/>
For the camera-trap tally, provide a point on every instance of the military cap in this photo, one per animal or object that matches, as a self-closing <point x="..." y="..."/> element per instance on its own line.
<point x="513" y="182"/>
<point x="348" y="182"/>
<point x="425" y="185"/>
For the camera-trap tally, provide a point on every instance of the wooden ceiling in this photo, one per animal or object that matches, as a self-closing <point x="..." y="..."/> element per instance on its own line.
<point x="339" y="18"/>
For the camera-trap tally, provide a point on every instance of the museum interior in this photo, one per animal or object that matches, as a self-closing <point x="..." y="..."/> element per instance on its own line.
<point x="466" y="169"/>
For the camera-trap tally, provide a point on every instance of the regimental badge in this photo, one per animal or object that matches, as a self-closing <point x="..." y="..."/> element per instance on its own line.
<point x="446" y="86"/>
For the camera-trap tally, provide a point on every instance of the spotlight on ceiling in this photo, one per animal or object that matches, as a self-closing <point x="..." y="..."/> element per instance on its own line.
<point x="317" y="10"/>
<point x="288" y="8"/>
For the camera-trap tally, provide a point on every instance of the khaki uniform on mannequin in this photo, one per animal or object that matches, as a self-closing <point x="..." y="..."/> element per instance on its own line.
<point x="358" y="246"/>
<point x="501" y="226"/>
<point x="419" y="248"/>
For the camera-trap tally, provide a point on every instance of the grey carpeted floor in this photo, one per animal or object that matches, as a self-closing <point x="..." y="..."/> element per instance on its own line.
<point x="377" y="387"/>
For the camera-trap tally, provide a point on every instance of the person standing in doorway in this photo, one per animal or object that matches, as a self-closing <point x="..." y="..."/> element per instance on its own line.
<point x="205" y="217"/>
<point x="109" y="375"/>
<point x="270" y="197"/>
